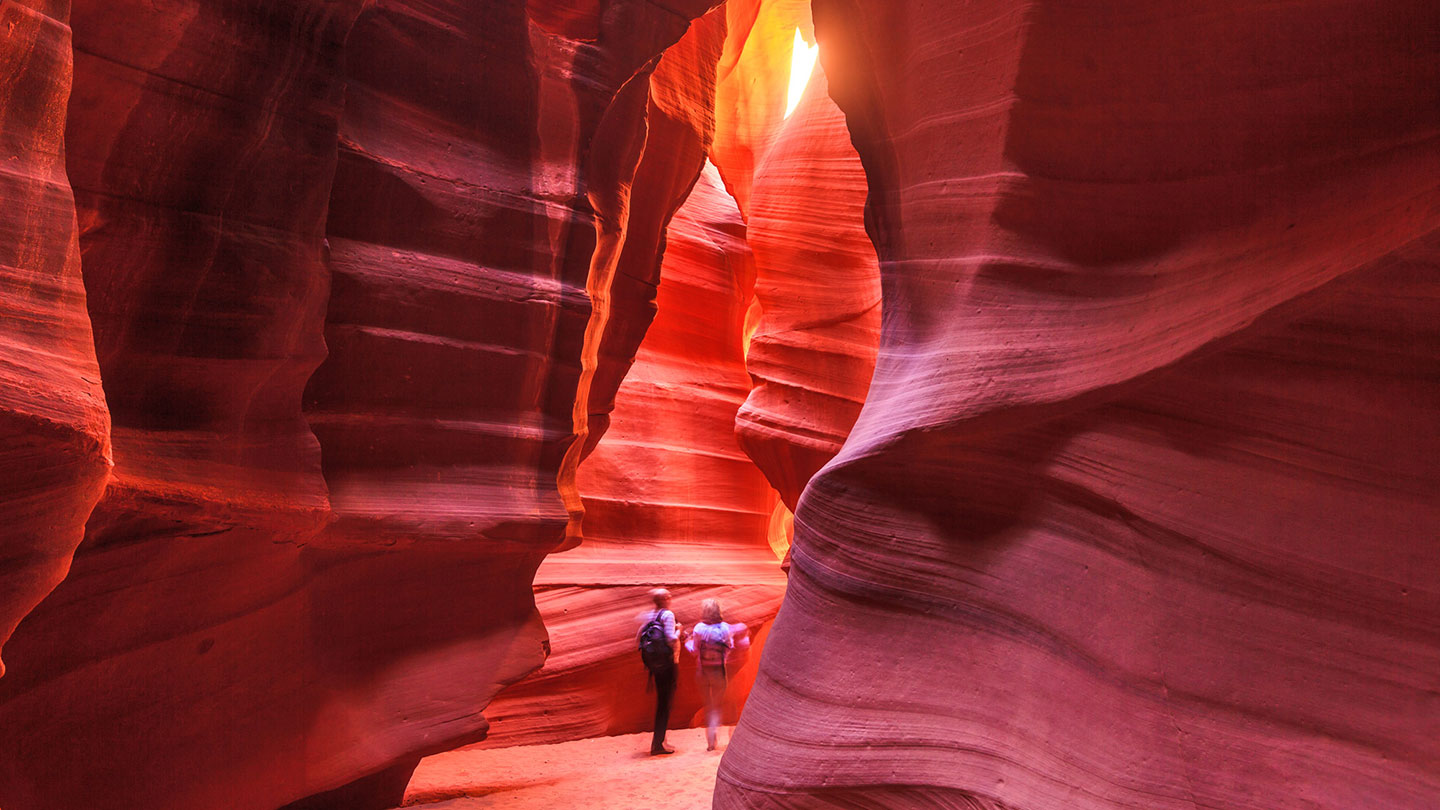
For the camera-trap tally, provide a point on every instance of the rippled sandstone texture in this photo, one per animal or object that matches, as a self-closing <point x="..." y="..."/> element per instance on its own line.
<point x="670" y="499"/>
<point x="1141" y="509"/>
<point x="54" y="429"/>
<point x="302" y="580"/>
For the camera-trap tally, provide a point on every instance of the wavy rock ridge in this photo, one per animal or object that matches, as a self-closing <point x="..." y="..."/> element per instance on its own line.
<point x="818" y="287"/>
<point x="1138" y="511"/>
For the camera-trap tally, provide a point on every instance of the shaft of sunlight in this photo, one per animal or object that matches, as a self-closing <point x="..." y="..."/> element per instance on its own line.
<point x="802" y="64"/>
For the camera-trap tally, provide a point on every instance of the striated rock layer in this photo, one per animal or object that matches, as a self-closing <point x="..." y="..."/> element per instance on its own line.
<point x="1141" y="509"/>
<point x="54" y="429"/>
<point x="670" y="499"/>
<point x="200" y="142"/>
<point x="262" y="612"/>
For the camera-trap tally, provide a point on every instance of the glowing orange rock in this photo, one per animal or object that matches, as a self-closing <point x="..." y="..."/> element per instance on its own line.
<point x="753" y="77"/>
<point x="818" y="289"/>
<point x="670" y="499"/>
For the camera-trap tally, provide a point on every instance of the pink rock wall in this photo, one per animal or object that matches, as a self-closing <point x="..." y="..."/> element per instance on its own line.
<point x="1139" y="511"/>
<point x="54" y="429"/>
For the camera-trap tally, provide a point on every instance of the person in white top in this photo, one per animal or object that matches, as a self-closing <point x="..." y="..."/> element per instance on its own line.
<point x="712" y="641"/>
<point x="659" y="643"/>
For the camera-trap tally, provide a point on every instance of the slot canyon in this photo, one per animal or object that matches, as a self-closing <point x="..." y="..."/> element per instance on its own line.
<point x="1052" y="389"/>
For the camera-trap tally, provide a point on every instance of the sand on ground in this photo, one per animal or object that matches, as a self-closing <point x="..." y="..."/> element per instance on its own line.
<point x="604" y="773"/>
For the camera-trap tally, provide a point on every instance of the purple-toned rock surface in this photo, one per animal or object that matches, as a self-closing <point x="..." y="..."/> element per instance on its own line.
<point x="1141" y="510"/>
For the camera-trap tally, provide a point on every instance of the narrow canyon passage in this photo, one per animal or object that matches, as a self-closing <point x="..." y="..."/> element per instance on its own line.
<point x="748" y="378"/>
<point x="1050" y="386"/>
<point x="670" y="501"/>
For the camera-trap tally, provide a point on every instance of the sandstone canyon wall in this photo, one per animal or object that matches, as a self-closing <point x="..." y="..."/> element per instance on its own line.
<point x="306" y="572"/>
<point x="54" y="428"/>
<point x="1141" y="510"/>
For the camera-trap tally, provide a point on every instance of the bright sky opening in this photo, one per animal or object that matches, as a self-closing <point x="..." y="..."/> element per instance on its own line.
<point x="802" y="64"/>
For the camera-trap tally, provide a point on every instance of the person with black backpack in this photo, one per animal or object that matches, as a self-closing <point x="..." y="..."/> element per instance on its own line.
<point x="659" y="642"/>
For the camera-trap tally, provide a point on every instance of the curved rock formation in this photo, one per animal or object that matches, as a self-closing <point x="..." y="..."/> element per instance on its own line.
<point x="818" y="287"/>
<point x="166" y="669"/>
<point x="664" y="150"/>
<point x="54" y="429"/>
<point x="670" y="499"/>
<point x="1141" y="508"/>
<point x="225" y="638"/>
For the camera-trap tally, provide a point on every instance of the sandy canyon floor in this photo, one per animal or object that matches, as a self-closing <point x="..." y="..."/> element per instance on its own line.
<point x="605" y="773"/>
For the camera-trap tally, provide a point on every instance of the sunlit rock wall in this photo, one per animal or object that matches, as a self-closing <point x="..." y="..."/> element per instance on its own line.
<point x="753" y="78"/>
<point x="1141" y="508"/>
<point x="226" y="638"/>
<point x="818" y="290"/>
<point x="815" y="319"/>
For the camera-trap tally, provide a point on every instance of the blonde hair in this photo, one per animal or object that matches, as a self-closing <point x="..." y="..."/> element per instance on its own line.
<point x="659" y="596"/>
<point x="710" y="611"/>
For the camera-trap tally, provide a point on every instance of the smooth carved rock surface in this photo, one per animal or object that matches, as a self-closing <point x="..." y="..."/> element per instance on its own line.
<point x="818" y="287"/>
<point x="167" y="670"/>
<point x="54" y="428"/>
<point x="225" y="637"/>
<point x="670" y="499"/>
<point x="1141" y="508"/>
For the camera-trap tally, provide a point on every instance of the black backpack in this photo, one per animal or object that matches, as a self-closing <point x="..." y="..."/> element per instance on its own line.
<point x="655" y="649"/>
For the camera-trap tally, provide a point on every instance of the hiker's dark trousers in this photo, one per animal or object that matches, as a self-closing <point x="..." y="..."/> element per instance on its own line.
<point x="665" y="680"/>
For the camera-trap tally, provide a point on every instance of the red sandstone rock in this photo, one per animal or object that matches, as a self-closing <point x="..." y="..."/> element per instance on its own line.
<point x="225" y="639"/>
<point x="54" y="430"/>
<point x="1141" y="508"/>
<point x="670" y="499"/>
<point x="667" y="145"/>
<point x="166" y="670"/>
<point x="1140" y="513"/>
